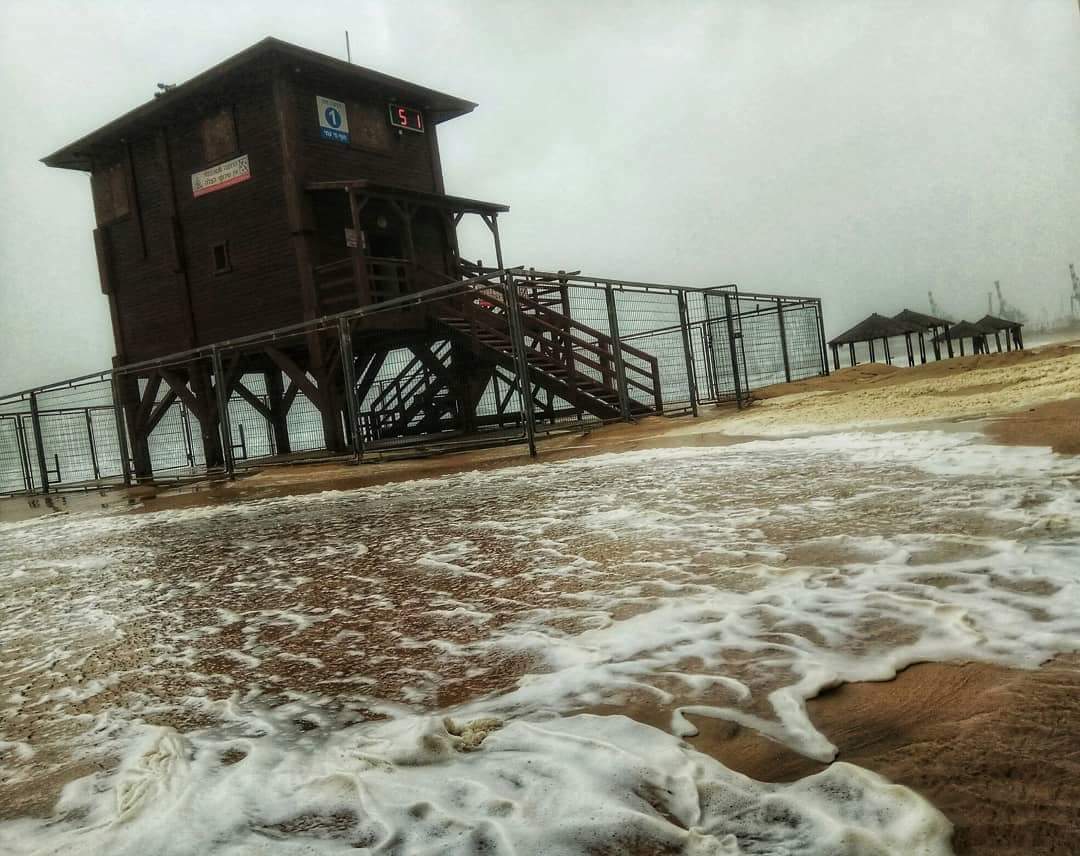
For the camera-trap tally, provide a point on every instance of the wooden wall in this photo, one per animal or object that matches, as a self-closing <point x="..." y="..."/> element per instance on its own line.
<point x="375" y="151"/>
<point x="261" y="290"/>
<point x="156" y="259"/>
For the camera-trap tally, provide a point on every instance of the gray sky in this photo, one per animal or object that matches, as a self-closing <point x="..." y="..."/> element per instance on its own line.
<point x="863" y="151"/>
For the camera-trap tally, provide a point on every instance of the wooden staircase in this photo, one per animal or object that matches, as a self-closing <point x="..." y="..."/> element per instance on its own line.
<point x="568" y="359"/>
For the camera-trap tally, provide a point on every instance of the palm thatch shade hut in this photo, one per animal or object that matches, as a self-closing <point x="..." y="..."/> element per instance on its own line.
<point x="926" y="324"/>
<point x="870" y="329"/>
<point x="1014" y="337"/>
<point x="966" y="330"/>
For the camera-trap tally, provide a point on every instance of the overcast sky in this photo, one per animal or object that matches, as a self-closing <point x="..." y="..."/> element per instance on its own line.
<point x="864" y="151"/>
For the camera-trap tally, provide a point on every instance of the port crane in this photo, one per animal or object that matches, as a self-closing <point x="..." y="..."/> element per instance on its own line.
<point x="1075" y="299"/>
<point x="1005" y="310"/>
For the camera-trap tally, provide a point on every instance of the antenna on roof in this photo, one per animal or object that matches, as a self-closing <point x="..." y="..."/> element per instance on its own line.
<point x="348" y="50"/>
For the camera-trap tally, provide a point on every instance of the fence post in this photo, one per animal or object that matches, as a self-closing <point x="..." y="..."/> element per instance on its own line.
<point x="93" y="449"/>
<point x="822" y="348"/>
<point x="348" y="374"/>
<point x="688" y="352"/>
<point x="616" y="348"/>
<point x="712" y="372"/>
<point x="222" y="398"/>
<point x="35" y="424"/>
<point x="521" y="359"/>
<point x="189" y="444"/>
<point x="734" y="352"/>
<point x="121" y="432"/>
<point x="783" y="339"/>
<point x="24" y="453"/>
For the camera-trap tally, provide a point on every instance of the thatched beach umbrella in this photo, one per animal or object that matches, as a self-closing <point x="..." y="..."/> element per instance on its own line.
<point x="967" y="330"/>
<point x="868" y="330"/>
<point x="1014" y="336"/>
<point x="926" y="324"/>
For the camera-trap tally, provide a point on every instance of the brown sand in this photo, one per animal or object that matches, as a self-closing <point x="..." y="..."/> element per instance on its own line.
<point x="878" y="374"/>
<point x="1056" y="424"/>
<point x="997" y="750"/>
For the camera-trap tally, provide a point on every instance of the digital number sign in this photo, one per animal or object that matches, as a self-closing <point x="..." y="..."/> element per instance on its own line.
<point x="407" y="118"/>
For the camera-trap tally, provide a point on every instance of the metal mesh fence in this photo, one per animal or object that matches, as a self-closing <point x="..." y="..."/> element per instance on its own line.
<point x="441" y="367"/>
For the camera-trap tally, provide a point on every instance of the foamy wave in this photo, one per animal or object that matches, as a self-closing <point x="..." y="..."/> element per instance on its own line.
<point x="732" y="582"/>
<point x="426" y="785"/>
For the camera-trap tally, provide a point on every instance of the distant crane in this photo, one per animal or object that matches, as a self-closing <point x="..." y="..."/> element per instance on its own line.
<point x="1005" y="310"/>
<point x="1075" y="291"/>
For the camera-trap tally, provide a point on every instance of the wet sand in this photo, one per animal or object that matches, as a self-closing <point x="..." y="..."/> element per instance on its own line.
<point x="1056" y="425"/>
<point x="996" y="749"/>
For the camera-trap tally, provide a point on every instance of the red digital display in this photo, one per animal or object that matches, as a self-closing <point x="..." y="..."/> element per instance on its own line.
<point x="407" y="118"/>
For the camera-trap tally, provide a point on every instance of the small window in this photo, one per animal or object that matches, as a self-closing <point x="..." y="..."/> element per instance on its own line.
<point x="220" y="257"/>
<point x="218" y="134"/>
<point x="110" y="189"/>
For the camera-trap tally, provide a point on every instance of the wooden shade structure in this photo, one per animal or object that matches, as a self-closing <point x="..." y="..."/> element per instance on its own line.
<point x="870" y="329"/>
<point x="926" y="324"/>
<point x="1014" y="337"/>
<point x="966" y="330"/>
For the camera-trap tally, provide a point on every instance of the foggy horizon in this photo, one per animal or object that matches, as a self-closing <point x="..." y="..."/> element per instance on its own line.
<point x="863" y="153"/>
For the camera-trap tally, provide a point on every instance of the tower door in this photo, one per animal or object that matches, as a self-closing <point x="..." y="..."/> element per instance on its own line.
<point x="389" y="269"/>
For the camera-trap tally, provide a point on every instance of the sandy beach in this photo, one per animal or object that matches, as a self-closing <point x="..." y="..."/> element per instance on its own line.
<point x="971" y="721"/>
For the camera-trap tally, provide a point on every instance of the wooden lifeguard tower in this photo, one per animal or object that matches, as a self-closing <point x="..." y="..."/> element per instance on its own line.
<point x="279" y="187"/>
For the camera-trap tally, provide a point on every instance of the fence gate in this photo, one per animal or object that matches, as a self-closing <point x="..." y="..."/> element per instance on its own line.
<point x="15" y="472"/>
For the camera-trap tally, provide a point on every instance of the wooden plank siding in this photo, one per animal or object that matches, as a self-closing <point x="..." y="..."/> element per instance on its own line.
<point x="156" y="255"/>
<point x="147" y="302"/>
<point x="260" y="291"/>
<point x="405" y="162"/>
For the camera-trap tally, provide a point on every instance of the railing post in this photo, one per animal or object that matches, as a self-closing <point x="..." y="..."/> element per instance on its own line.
<point x="521" y="360"/>
<point x="93" y="448"/>
<point x="348" y="374"/>
<point x="35" y="425"/>
<point x="617" y="354"/>
<point x="783" y="339"/>
<point x="189" y="444"/>
<point x="822" y="347"/>
<point x="688" y="352"/>
<point x="24" y="454"/>
<point x="121" y="431"/>
<point x="517" y="335"/>
<point x="712" y="371"/>
<point x="224" y="425"/>
<point x="734" y="352"/>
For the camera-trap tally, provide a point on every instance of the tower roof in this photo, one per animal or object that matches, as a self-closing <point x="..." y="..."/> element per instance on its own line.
<point x="268" y="52"/>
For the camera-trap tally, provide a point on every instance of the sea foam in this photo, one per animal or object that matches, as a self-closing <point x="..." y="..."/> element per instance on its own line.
<point x="251" y="680"/>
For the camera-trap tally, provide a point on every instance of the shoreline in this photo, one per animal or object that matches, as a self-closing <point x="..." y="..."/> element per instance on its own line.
<point x="959" y="396"/>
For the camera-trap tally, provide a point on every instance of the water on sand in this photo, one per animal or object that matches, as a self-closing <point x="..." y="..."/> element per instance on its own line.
<point x="393" y="667"/>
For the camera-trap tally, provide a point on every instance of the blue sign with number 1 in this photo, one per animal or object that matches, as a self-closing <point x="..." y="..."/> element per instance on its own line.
<point x="332" y="122"/>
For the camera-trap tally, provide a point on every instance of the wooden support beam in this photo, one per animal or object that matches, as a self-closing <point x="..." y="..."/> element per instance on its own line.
<point x="252" y="399"/>
<point x="179" y="386"/>
<point x="289" y="397"/>
<point x="296" y="374"/>
<point x="206" y="413"/>
<point x="159" y="411"/>
<point x="368" y="375"/>
<point x="146" y="404"/>
<point x="279" y="410"/>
